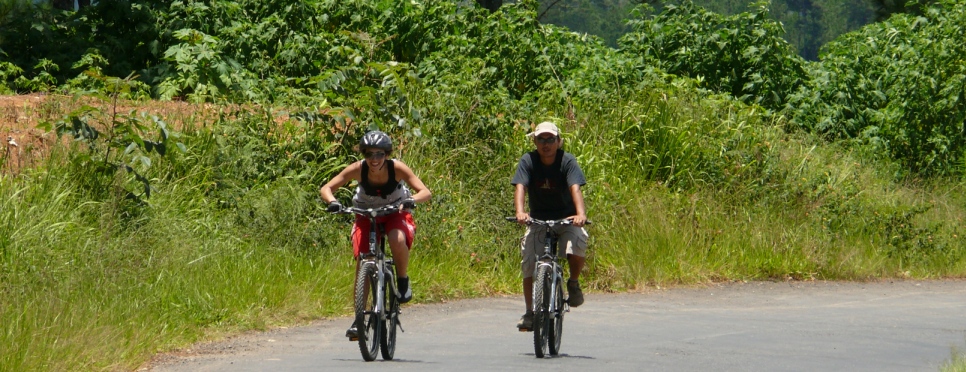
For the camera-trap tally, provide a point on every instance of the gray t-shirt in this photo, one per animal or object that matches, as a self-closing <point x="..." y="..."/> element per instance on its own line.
<point x="549" y="186"/>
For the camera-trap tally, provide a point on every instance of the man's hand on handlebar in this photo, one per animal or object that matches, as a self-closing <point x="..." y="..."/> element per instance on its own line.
<point x="578" y="220"/>
<point x="523" y="218"/>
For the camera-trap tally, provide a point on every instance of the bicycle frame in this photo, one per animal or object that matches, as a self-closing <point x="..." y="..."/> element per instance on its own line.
<point x="377" y="253"/>
<point x="551" y="259"/>
<point x="548" y="304"/>
<point x="550" y="255"/>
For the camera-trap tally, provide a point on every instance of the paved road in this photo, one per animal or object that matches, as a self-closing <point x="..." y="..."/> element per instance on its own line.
<point x="798" y="326"/>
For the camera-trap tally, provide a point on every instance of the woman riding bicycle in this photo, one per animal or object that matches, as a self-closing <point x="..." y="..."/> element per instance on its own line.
<point x="552" y="179"/>
<point x="382" y="181"/>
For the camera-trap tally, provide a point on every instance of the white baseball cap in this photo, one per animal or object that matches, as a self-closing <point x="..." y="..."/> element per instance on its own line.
<point x="545" y="127"/>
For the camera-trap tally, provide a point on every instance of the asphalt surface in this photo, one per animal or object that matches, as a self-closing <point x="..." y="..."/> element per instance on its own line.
<point x="783" y="326"/>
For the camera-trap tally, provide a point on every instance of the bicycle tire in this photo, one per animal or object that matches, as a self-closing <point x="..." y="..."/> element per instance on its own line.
<point x="541" y="315"/>
<point x="556" y="328"/>
<point x="388" y="340"/>
<point x="367" y="321"/>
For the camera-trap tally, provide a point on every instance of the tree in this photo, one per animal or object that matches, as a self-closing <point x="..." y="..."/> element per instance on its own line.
<point x="70" y="4"/>
<point x="885" y="8"/>
<point x="491" y="5"/>
<point x="743" y="54"/>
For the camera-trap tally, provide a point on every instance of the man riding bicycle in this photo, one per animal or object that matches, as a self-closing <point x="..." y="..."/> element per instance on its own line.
<point x="382" y="181"/>
<point x="552" y="179"/>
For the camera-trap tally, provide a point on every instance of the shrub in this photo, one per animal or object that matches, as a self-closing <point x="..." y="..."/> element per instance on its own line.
<point x="899" y="86"/>
<point x="743" y="55"/>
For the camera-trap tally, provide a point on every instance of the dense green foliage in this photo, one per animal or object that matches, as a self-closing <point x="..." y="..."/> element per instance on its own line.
<point x="743" y="55"/>
<point x="899" y="86"/>
<point x="808" y="24"/>
<point x="603" y="18"/>
<point x="39" y="39"/>
<point x="690" y="180"/>
<point x="886" y="8"/>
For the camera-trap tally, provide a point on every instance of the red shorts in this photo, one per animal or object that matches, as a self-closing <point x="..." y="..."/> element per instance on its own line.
<point x="397" y="221"/>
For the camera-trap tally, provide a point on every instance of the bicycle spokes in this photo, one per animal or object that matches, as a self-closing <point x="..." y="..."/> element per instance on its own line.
<point x="367" y="317"/>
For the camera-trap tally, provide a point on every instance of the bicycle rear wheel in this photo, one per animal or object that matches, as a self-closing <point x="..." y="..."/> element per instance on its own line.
<point x="541" y="316"/>
<point x="388" y="339"/>
<point x="556" y="329"/>
<point x="367" y="320"/>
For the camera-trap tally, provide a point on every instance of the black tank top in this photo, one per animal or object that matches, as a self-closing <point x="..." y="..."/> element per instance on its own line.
<point x="549" y="194"/>
<point x="383" y="190"/>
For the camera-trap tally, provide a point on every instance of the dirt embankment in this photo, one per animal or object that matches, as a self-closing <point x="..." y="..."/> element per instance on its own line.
<point x="24" y="144"/>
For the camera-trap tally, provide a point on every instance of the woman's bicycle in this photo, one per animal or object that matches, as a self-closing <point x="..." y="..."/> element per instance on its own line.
<point x="549" y="304"/>
<point x="376" y="296"/>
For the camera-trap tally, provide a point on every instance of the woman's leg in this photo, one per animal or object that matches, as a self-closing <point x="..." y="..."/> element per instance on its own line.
<point x="400" y="251"/>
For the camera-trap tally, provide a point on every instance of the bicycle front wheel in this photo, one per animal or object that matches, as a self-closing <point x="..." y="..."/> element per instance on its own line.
<point x="367" y="320"/>
<point x="556" y="330"/>
<point x="541" y="315"/>
<point x="388" y="339"/>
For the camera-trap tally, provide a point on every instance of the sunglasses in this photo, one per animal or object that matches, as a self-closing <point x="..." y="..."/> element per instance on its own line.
<point x="375" y="155"/>
<point x="547" y="140"/>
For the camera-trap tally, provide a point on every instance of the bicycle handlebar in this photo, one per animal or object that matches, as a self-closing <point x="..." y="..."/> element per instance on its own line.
<point x="534" y="221"/>
<point x="371" y="212"/>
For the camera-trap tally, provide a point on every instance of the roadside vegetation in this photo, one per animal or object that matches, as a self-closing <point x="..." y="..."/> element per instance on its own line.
<point x="137" y="231"/>
<point x="956" y="363"/>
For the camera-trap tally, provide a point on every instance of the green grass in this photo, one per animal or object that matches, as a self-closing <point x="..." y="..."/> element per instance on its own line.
<point x="91" y="282"/>
<point x="956" y="363"/>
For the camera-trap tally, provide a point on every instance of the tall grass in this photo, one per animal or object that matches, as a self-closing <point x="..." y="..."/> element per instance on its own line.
<point x="682" y="189"/>
<point x="956" y="363"/>
<point x="82" y="293"/>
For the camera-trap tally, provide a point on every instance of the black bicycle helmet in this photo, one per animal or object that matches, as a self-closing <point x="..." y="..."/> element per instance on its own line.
<point x="376" y="139"/>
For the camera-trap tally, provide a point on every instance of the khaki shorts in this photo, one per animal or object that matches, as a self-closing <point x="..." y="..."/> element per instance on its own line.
<point x="570" y="240"/>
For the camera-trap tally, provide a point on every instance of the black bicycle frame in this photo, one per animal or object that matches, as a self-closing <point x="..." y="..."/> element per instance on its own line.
<point x="377" y="253"/>
<point x="551" y="259"/>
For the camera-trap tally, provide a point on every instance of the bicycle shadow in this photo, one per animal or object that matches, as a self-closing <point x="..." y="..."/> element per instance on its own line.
<point x="562" y="356"/>
<point x="394" y="360"/>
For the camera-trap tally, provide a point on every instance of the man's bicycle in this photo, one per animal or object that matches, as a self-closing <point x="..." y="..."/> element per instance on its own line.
<point x="376" y="296"/>
<point x="549" y="304"/>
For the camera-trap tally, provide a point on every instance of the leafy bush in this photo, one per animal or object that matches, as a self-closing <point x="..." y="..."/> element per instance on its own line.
<point x="743" y="55"/>
<point x="121" y="31"/>
<point x="116" y="150"/>
<point x="93" y="81"/>
<point x="43" y="80"/>
<point x="258" y="50"/>
<point x="8" y="73"/>
<point x="899" y="86"/>
<point x="199" y="70"/>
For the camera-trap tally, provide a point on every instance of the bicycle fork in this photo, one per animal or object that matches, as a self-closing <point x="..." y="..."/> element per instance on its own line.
<point x="380" y="274"/>
<point x="380" y="294"/>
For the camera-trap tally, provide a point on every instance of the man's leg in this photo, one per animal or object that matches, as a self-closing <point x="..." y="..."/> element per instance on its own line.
<point x="574" y="243"/>
<point x="527" y="262"/>
<point x="528" y="293"/>
<point x="576" y="264"/>
<point x="526" y="321"/>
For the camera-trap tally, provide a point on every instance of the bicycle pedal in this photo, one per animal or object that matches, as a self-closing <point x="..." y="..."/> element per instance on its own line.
<point x="525" y="329"/>
<point x="353" y="339"/>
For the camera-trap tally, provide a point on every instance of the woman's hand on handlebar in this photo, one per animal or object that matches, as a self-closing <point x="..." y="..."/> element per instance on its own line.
<point x="408" y="203"/>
